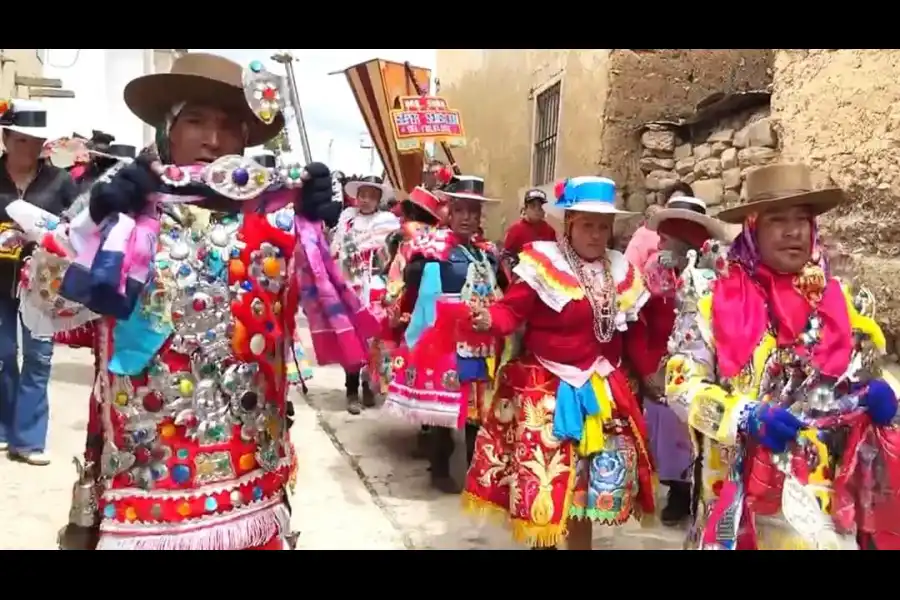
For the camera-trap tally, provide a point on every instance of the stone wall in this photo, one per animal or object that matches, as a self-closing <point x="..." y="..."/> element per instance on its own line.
<point x="839" y="112"/>
<point x="714" y="159"/>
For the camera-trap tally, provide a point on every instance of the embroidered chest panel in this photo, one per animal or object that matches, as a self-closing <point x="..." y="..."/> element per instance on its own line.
<point x="208" y="407"/>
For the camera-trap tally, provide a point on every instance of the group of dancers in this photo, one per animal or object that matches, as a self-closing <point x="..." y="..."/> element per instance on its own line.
<point x="549" y="359"/>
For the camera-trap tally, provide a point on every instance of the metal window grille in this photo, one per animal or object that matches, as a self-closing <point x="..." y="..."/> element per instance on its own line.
<point x="546" y="127"/>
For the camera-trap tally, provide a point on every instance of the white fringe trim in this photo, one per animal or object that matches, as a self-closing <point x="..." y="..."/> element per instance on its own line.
<point x="399" y="407"/>
<point x="241" y="533"/>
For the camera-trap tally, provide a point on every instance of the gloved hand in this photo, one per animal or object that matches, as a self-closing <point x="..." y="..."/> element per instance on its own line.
<point x="127" y="191"/>
<point x="315" y="196"/>
<point x="774" y="427"/>
<point x="880" y="402"/>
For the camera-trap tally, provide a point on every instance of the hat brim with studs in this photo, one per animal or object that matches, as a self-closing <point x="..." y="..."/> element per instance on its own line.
<point x="204" y="79"/>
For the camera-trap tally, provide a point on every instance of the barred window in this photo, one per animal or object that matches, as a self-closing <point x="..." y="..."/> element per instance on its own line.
<point x="546" y="127"/>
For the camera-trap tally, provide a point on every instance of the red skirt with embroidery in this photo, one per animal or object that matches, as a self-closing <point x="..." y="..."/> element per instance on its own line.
<point x="536" y="482"/>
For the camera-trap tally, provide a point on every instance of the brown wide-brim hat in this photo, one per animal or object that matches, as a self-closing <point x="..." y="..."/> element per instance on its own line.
<point x="782" y="186"/>
<point x="204" y="79"/>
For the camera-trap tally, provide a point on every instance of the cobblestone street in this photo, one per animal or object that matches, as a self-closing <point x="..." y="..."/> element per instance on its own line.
<point x="358" y="485"/>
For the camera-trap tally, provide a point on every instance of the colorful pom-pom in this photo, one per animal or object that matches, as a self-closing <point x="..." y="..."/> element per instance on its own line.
<point x="559" y="189"/>
<point x="444" y="175"/>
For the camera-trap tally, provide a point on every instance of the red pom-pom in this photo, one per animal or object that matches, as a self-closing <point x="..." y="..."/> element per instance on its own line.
<point x="559" y="188"/>
<point x="444" y="175"/>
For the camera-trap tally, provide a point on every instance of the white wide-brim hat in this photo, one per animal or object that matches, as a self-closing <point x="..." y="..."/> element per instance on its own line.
<point x="352" y="188"/>
<point x="691" y="209"/>
<point x="27" y="117"/>
<point x="586" y="194"/>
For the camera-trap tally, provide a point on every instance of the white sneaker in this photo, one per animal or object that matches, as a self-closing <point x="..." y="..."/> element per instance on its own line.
<point x="38" y="459"/>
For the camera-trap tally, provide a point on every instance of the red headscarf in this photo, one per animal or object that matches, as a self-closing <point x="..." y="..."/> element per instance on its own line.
<point x="752" y="296"/>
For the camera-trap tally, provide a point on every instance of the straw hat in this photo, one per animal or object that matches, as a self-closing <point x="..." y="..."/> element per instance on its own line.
<point x="691" y="209"/>
<point x="372" y="181"/>
<point x="201" y="79"/>
<point x="781" y="186"/>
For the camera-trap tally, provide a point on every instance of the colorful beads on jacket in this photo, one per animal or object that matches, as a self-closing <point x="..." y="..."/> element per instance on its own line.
<point x="210" y="406"/>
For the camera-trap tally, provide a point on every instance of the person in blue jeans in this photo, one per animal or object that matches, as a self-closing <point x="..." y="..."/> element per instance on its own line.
<point x="24" y="408"/>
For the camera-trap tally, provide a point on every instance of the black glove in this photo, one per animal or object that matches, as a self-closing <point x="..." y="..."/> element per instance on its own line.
<point x="126" y="193"/>
<point x="289" y="413"/>
<point x="315" y="195"/>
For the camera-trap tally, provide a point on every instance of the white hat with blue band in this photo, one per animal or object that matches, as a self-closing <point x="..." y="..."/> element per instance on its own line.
<point x="586" y="194"/>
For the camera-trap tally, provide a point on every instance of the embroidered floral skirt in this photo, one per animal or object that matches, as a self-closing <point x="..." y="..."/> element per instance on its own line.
<point x="426" y="390"/>
<point x="523" y="472"/>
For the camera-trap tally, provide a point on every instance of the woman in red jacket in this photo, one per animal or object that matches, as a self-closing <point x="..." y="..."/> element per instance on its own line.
<point x="564" y="442"/>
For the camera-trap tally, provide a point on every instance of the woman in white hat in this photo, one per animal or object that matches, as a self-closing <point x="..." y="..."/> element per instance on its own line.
<point x="564" y="443"/>
<point x="682" y="225"/>
<point x="359" y="243"/>
<point x="777" y="371"/>
<point x="24" y="407"/>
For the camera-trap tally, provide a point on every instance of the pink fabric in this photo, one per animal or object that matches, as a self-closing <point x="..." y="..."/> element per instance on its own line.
<point x="340" y="326"/>
<point x="643" y="245"/>
<point x="743" y="307"/>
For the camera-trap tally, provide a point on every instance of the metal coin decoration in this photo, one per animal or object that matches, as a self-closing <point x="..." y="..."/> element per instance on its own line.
<point x="262" y="89"/>
<point x="216" y="391"/>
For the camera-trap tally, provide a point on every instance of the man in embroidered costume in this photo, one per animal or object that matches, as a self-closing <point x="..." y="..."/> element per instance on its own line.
<point x="447" y="387"/>
<point x="776" y="369"/>
<point x="188" y="445"/>
<point x="564" y="443"/>
<point x="359" y="244"/>
<point x="682" y="226"/>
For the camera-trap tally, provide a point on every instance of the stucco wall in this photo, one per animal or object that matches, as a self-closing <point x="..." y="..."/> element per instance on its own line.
<point x="495" y="91"/>
<point x="22" y="61"/>
<point x="839" y="111"/>
<point x="606" y="96"/>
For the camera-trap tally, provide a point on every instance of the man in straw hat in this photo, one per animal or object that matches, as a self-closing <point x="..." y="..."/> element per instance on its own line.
<point x="681" y="225"/>
<point x="188" y="445"/>
<point x="446" y="387"/>
<point x="774" y="363"/>
<point x="564" y="444"/>
<point x="24" y="407"/>
<point x="359" y="243"/>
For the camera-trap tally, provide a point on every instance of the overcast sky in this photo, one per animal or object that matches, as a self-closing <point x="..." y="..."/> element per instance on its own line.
<point x="329" y="109"/>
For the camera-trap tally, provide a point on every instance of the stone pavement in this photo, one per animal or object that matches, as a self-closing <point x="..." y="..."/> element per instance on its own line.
<point x="357" y="486"/>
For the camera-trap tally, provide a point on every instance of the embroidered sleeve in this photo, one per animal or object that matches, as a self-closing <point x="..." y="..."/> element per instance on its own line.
<point x="691" y="381"/>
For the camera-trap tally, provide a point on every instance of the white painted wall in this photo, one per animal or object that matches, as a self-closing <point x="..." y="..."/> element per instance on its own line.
<point x="98" y="78"/>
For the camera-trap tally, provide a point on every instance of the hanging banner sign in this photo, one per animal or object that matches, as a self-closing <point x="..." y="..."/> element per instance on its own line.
<point x="424" y="119"/>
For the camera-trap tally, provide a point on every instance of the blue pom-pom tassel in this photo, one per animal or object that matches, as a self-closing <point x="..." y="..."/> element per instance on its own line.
<point x="881" y="402"/>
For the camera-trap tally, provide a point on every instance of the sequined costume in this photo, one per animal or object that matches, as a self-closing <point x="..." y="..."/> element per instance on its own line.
<point x="188" y="445"/>
<point x="393" y="323"/>
<point x="749" y="342"/>
<point x="359" y="244"/>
